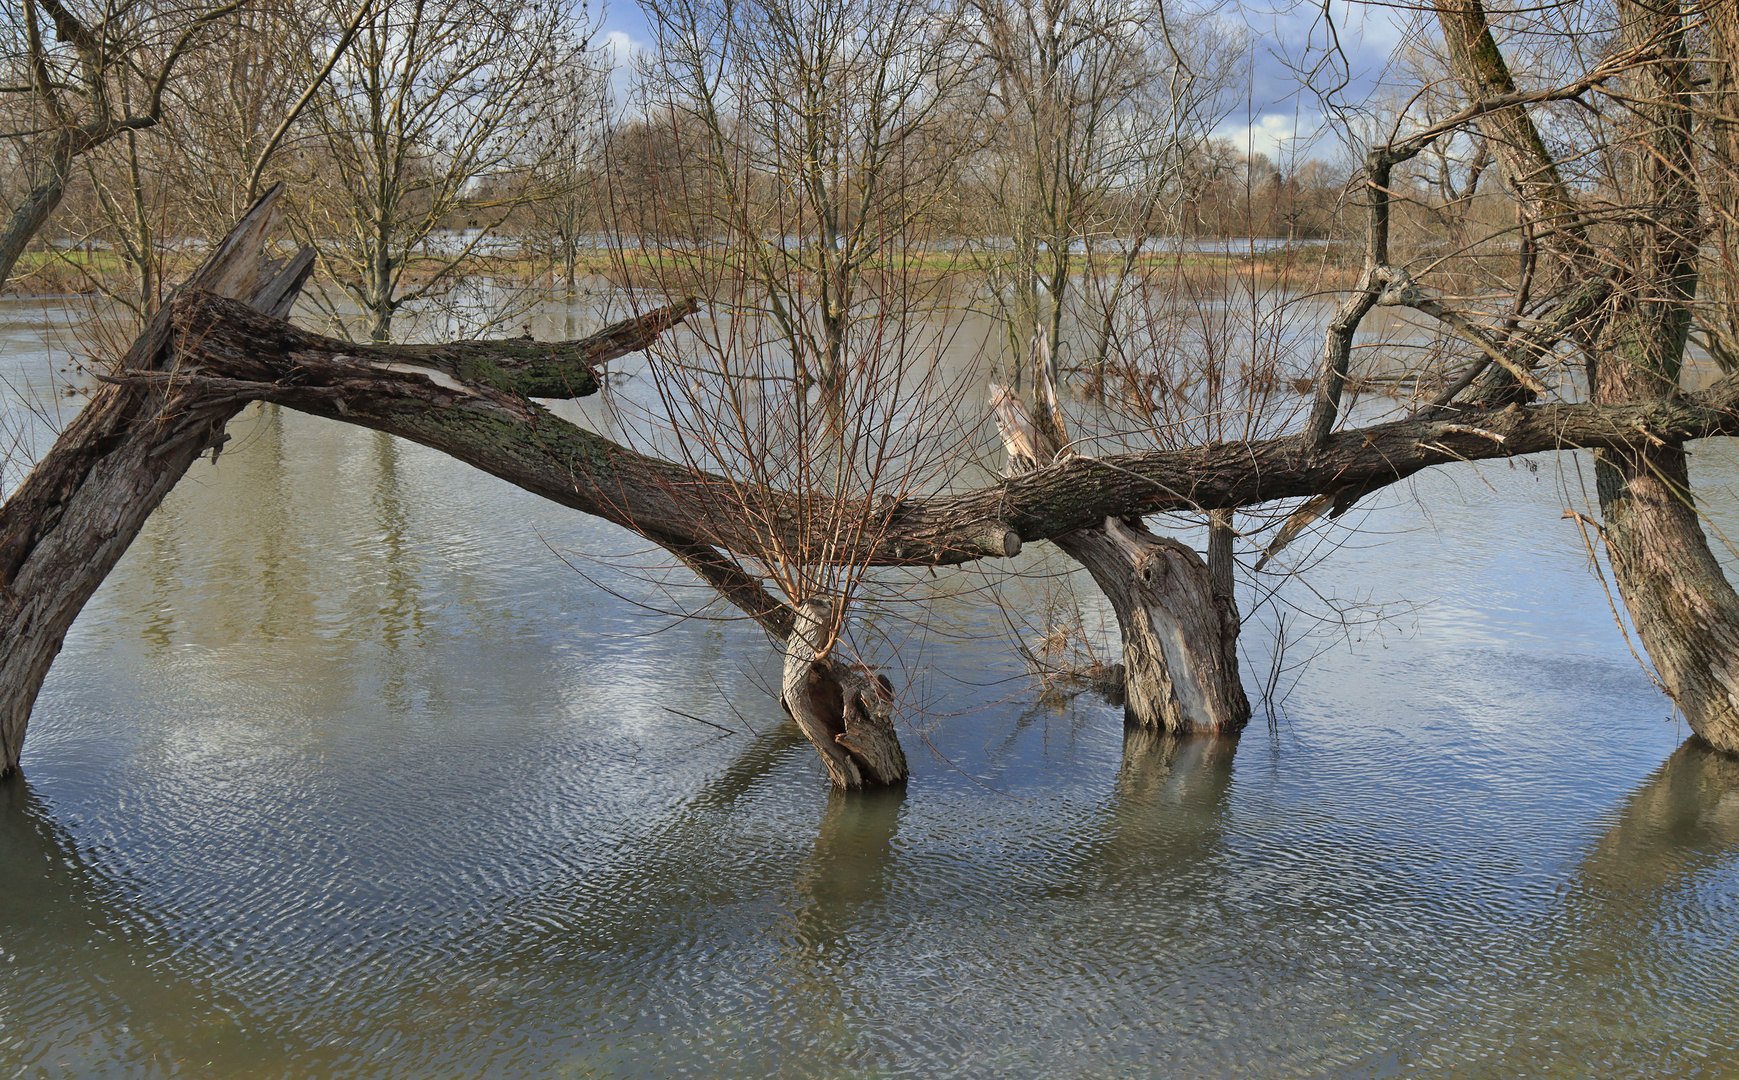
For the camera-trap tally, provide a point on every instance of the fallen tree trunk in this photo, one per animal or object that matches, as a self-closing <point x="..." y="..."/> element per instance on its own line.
<point x="79" y="509"/>
<point x="233" y="350"/>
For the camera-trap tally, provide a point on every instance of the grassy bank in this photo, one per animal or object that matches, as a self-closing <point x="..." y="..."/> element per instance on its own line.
<point x="93" y="272"/>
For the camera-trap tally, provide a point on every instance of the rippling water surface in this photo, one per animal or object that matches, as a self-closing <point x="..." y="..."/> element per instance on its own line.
<point x="344" y="772"/>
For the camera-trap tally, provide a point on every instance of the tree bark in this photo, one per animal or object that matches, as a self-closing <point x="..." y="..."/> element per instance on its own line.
<point x="1721" y="23"/>
<point x="73" y="517"/>
<point x="1683" y="607"/>
<point x="844" y="711"/>
<point x="1479" y="66"/>
<point x="1180" y="661"/>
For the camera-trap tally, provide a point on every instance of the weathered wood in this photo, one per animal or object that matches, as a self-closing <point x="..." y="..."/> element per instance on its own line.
<point x="73" y="517"/>
<point x="844" y="711"/>
<point x="1177" y="619"/>
<point x="1180" y="663"/>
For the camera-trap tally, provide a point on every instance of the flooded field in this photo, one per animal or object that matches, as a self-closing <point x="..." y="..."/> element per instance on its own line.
<point x="347" y="772"/>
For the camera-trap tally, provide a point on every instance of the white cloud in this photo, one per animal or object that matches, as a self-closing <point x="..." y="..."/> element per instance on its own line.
<point x="1279" y="135"/>
<point x="620" y="48"/>
<point x="620" y="51"/>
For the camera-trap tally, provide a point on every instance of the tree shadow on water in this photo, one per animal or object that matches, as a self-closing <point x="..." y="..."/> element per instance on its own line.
<point x="1631" y="972"/>
<point x="91" y="977"/>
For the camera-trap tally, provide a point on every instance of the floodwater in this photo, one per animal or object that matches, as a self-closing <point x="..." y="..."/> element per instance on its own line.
<point x="365" y="764"/>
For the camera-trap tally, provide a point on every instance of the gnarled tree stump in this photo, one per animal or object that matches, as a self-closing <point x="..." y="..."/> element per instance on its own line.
<point x="1180" y="661"/>
<point x="1177" y="618"/>
<point x="847" y="713"/>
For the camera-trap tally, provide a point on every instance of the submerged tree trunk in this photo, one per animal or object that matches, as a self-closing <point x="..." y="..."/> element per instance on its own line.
<point x="1180" y="660"/>
<point x="1178" y="621"/>
<point x="845" y="712"/>
<point x="1684" y="609"/>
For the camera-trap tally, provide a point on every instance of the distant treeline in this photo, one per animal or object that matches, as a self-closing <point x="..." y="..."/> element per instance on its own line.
<point x="427" y="140"/>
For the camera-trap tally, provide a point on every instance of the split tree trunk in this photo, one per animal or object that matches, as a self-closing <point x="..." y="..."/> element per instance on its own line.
<point x="1180" y="660"/>
<point x="1684" y="609"/>
<point x="844" y="711"/>
<point x="74" y="516"/>
<point x="1177" y="619"/>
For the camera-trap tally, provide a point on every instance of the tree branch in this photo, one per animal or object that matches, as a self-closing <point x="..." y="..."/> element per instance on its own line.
<point x="488" y="424"/>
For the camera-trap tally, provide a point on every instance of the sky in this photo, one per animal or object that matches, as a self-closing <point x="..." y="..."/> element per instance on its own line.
<point x="1353" y="41"/>
<point x="1274" y="118"/>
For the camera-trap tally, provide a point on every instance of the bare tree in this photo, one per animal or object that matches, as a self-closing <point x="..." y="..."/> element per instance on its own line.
<point x="570" y="175"/>
<point x="148" y="202"/>
<point x="1612" y="167"/>
<point x="427" y="141"/>
<point x="105" y="74"/>
<point x="1091" y="100"/>
<point x="830" y="129"/>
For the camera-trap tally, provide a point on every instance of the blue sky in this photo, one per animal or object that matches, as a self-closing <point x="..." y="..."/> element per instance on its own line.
<point x="1289" y="38"/>
<point x="1274" y="118"/>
